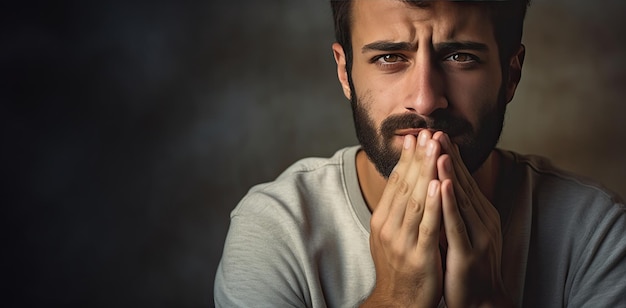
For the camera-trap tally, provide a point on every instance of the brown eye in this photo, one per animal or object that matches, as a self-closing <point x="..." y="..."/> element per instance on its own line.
<point x="390" y="63"/>
<point x="461" y="57"/>
<point x="390" y="58"/>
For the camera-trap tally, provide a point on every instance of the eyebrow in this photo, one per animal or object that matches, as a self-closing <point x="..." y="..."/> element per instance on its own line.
<point x="388" y="46"/>
<point x="462" y="45"/>
<point x="439" y="47"/>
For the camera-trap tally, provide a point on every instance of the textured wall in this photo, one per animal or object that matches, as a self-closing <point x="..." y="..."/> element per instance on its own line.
<point x="570" y="106"/>
<point x="130" y="131"/>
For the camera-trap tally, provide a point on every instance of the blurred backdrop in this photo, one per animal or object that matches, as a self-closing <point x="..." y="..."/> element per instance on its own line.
<point x="131" y="130"/>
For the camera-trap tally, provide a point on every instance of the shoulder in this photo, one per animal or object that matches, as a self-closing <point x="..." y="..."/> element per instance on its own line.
<point x="577" y="233"/>
<point x="577" y="206"/>
<point x="557" y="184"/>
<point x="304" y="182"/>
<point x="286" y="229"/>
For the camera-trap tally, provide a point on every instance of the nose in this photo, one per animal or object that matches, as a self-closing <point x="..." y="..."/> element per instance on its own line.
<point x="425" y="86"/>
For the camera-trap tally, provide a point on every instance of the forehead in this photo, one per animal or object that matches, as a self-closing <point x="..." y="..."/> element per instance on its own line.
<point x="397" y="20"/>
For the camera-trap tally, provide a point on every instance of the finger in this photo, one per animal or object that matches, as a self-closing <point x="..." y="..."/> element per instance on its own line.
<point x="465" y="178"/>
<point x="467" y="183"/>
<point x="397" y="174"/>
<point x="462" y="172"/>
<point x="445" y="143"/>
<point x="473" y="222"/>
<point x="422" y="169"/>
<point x="421" y="152"/>
<point x="417" y="165"/>
<point x="454" y="226"/>
<point x="427" y="173"/>
<point x="430" y="226"/>
<point x="431" y="150"/>
<point x="426" y="158"/>
<point x="409" y="199"/>
<point x="402" y="185"/>
<point x="446" y="171"/>
<point x="457" y="162"/>
<point x="485" y="211"/>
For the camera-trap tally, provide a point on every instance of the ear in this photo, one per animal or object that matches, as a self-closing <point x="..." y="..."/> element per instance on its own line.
<point x="342" y="73"/>
<point x="515" y="72"/>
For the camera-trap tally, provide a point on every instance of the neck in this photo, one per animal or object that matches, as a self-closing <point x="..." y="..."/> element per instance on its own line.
<point x="373" y="183"/>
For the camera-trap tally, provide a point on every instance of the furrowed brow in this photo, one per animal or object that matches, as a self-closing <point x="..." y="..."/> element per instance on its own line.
<point x="388" y="46"/>
<point x="464" y="45"/>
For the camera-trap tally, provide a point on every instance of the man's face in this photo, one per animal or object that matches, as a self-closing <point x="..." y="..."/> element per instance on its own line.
<point x="435" y="67"/>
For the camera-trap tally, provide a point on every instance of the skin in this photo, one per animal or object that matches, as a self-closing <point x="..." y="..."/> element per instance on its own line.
<point x="430" y="199"/>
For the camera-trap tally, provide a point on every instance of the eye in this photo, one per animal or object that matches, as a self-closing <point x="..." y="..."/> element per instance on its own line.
<point x="390" y="58"/>
<point x="390" y="62"/>
<point x="462" y="58"/>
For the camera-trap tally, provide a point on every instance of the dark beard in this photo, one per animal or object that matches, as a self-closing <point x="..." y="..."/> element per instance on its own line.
<point x="474" y="146"/>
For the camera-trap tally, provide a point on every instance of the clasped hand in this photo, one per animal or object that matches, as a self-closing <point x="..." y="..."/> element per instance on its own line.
<point x="432" y="213"/>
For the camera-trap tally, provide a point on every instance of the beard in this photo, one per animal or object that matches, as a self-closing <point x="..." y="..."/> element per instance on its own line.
<point x="475" y="143"/>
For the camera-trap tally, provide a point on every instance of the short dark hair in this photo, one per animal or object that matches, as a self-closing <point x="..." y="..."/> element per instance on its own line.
<point x="507" y="17"/>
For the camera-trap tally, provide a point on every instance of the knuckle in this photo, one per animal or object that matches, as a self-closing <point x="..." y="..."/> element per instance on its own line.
<point x="394" y="177"/>
<point x="459" y="228"/>
<point x="376" y="222"/>
<point x="386" y="234"/>
<point x="374" y="226"/>
<point x="397" y="250"/>
<point x="403" y="188"/>
<point x="425" y="230"/>
<point x="414" y="204"/>
<point x="464" y="203"/>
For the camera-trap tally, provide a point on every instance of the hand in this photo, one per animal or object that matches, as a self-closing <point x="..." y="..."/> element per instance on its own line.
<point x="474" y="238"/>
<point x="405" y="230"/>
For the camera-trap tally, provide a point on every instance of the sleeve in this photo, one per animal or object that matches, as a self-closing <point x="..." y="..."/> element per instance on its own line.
<point x="599" y="279"/>
<point x="260" y="265"/>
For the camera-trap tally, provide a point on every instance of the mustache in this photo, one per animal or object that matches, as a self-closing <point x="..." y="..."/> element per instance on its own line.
<point x="437" y="121"/>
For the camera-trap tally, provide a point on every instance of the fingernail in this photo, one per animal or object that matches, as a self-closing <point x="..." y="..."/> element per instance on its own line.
<point x="447" y="164"/>
<point x="422" y="139"/>
<point x="432" y="188"/>
<point x="430" y="149"/>
<point x="407" y="142"/>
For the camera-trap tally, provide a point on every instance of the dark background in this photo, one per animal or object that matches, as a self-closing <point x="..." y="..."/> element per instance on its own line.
<point x="131" y="130"/>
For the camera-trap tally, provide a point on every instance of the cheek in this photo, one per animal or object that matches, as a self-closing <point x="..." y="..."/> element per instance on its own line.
<point x="473" y="93"/>
<point x="375" y="94"/>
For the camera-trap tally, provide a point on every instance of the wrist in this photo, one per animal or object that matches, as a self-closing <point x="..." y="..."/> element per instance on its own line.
<point x="379" y="298"/>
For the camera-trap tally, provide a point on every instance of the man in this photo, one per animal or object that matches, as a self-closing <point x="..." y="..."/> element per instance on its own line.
<point x="426" y="211"/>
